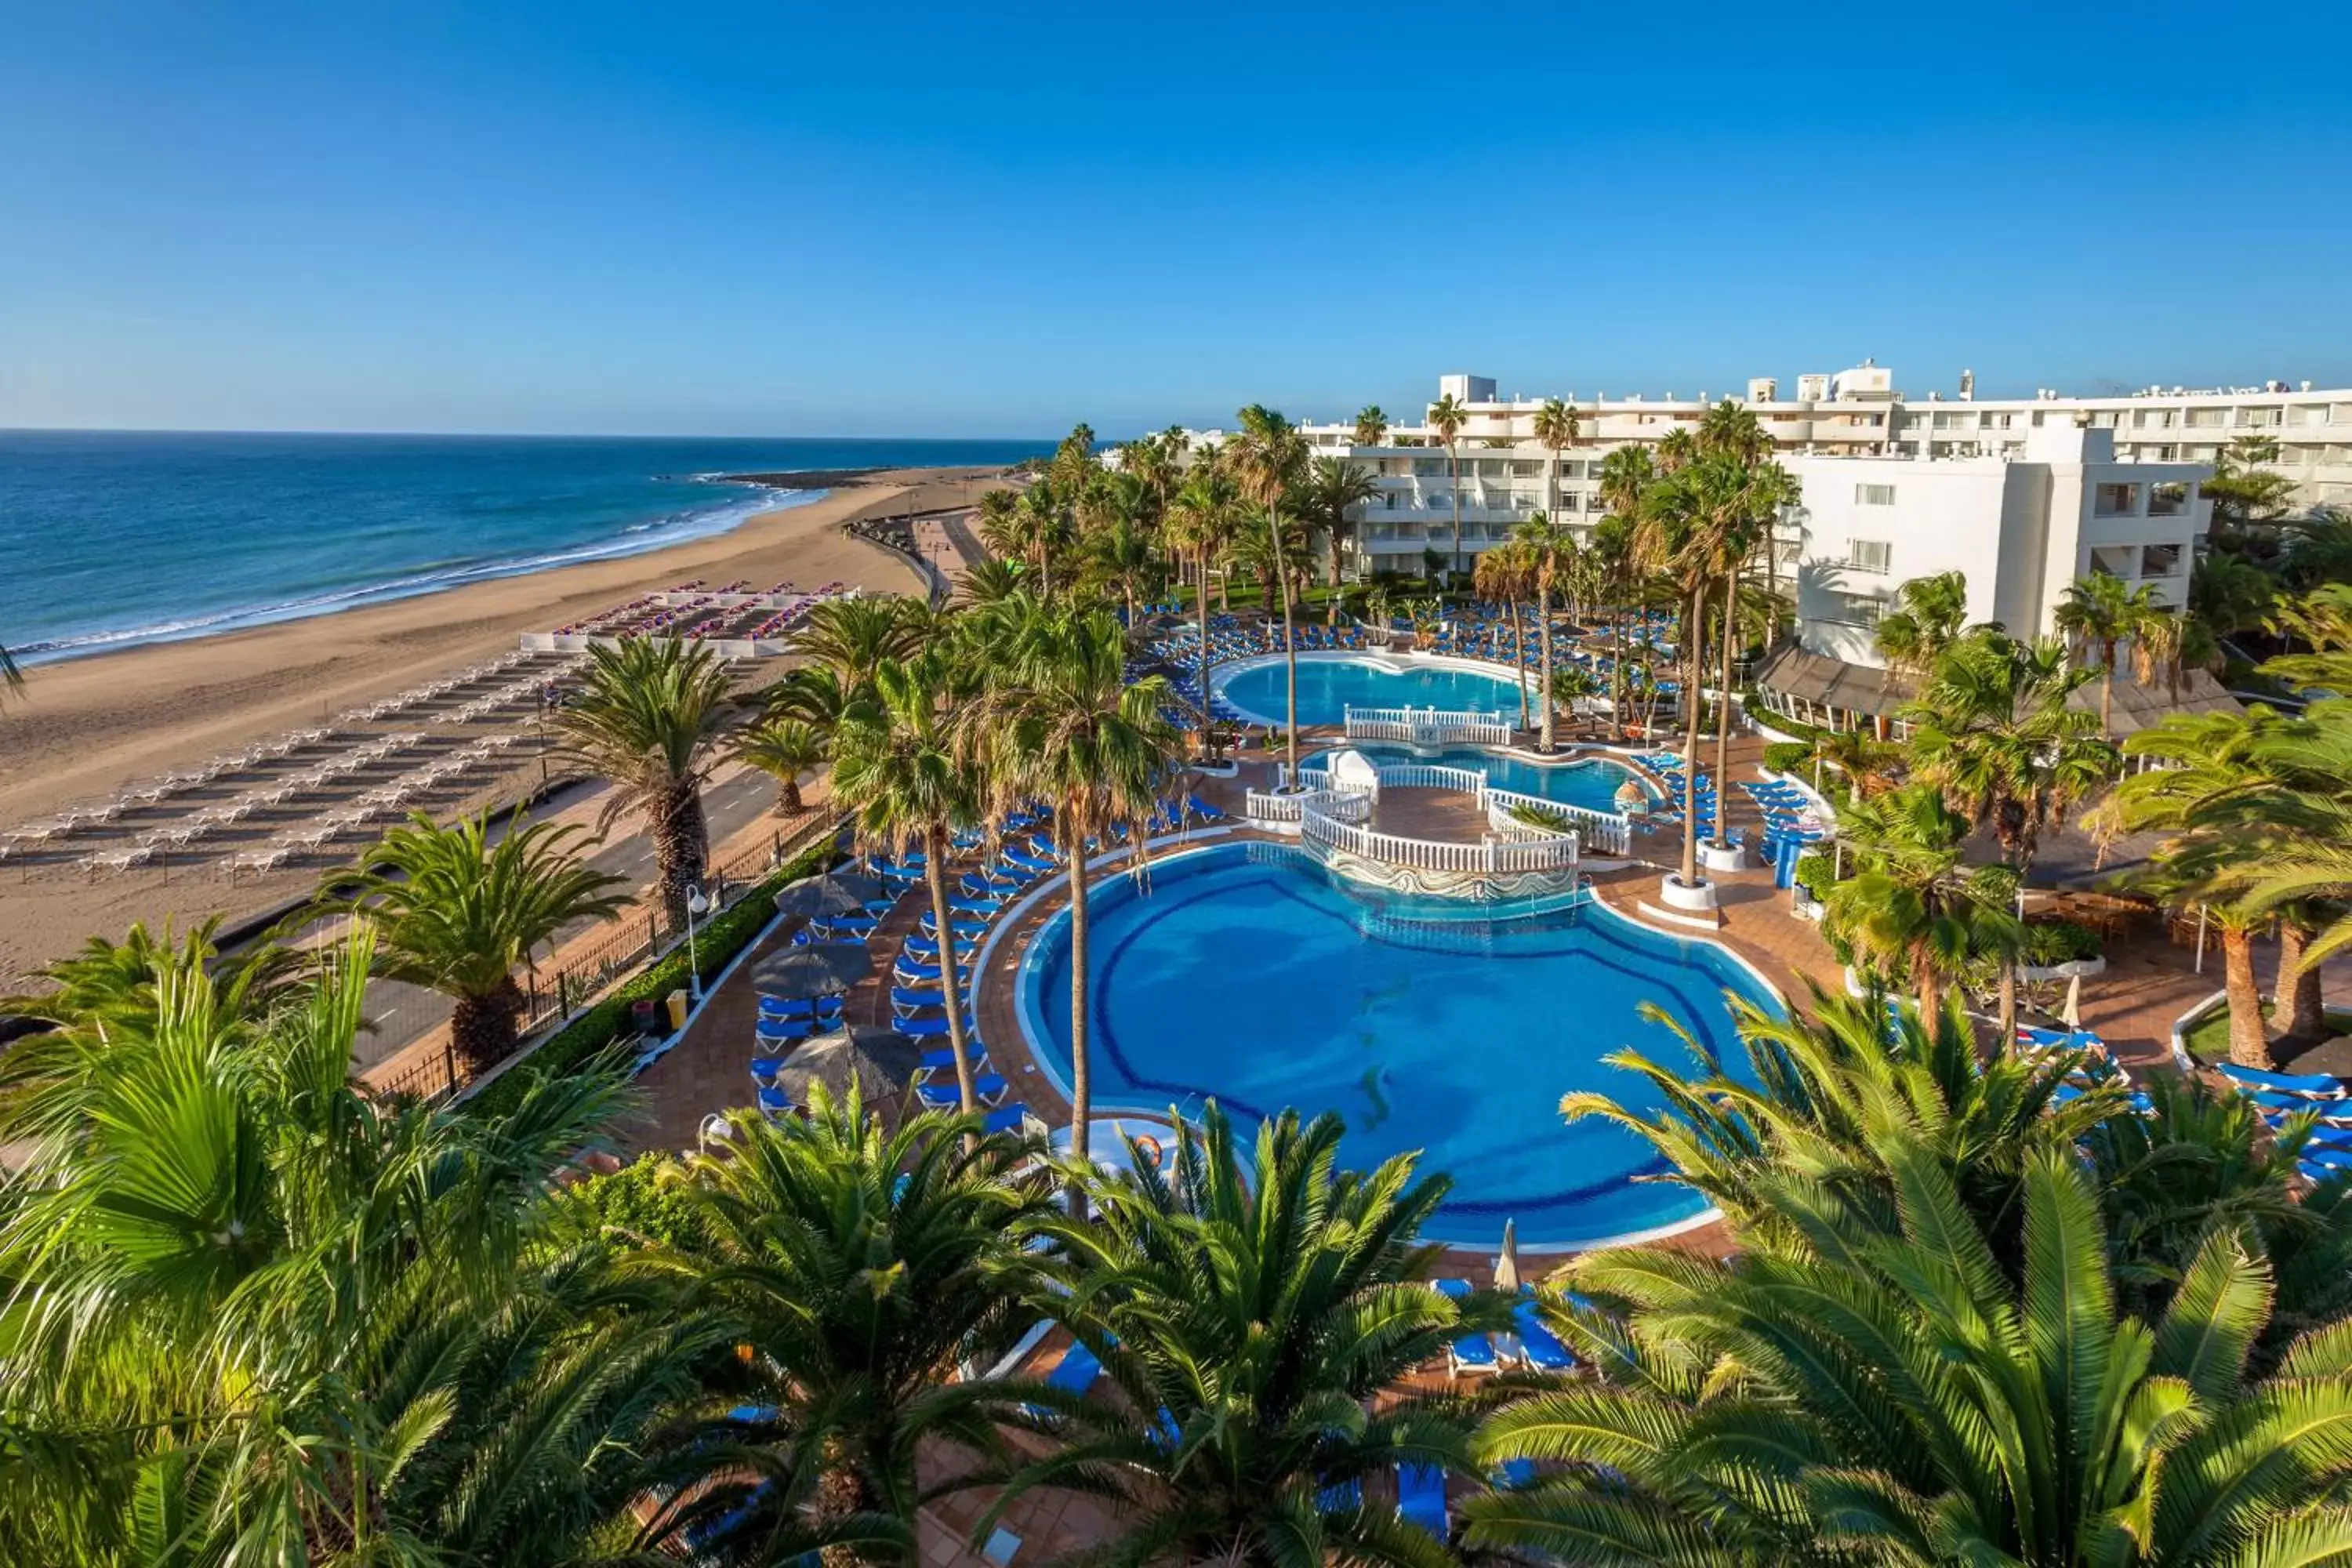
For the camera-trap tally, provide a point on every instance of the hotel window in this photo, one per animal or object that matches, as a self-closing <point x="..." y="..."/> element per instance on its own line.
<point x="2209" y="418"/>
<point x="1874" y="495"/>
<point x="2115" y="500"/>
<point x="1869" y="554"/>
<point x="2160" y="561"/>
<point x="1853" y="609"/>
<point x="2167" y="500"/>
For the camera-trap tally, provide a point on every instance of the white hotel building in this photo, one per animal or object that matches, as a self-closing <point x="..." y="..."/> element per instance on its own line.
<point x="2022" y="495"/>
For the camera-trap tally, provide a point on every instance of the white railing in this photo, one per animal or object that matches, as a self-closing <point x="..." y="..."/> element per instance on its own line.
<point x="1552" y="854"/>
<point x="1343" y="805"/>
<point x="1432" y="775"/>
<point x="1427" y="726"/>
<point x="1607" y="832"/>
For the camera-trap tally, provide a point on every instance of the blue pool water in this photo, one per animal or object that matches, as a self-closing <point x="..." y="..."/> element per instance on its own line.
<point x="1591" y="783"/>
<point x="1247" y="973"/>
<point x="1328" y="687"/>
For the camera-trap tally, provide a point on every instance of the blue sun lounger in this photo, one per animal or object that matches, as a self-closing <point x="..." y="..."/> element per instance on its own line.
<point x="1538" y="1346"/>
<point x="943" y="1060"/>
<point x="1026" y="862"/>
<point x="2326" y="1086"/>
<point x="1340" y="1497"/>
<point x="775" y="1102"/>
<point x="975" y="906"/>
<point x="916" y="998"/>
<point x="932" y="1028"/>
<point x="2337" y="1110"/>
<point x="988" y="1087"/>
<point x="1475" y="1353"/>
<point x="1420" y="1498"/>
<point x="1006" y="1119"/>
<point x="964" y="930"/>
<point x="776" y="1031"/>
<point x="765" y="1069"/>
<point x="915" y="969"/>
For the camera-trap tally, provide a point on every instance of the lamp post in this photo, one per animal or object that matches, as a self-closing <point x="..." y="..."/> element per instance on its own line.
<point x="696" y="904"/>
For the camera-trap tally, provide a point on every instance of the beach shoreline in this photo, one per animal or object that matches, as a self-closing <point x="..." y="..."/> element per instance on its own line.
<point x="86" y="726"/>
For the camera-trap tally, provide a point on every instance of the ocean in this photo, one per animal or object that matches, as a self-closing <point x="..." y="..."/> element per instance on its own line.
<point x="112" y="538"/>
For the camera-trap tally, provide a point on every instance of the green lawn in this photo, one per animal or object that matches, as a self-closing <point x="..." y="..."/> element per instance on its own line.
<point x="2209" y="1041"/>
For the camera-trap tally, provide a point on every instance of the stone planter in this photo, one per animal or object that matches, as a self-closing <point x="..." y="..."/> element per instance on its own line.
<point x="2086" y="967"/>
<point x="1730" y="858"/>
<point x="1695" y="898"/>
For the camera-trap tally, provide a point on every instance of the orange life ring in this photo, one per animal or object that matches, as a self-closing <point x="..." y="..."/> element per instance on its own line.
<point x="1145" y="1143"/>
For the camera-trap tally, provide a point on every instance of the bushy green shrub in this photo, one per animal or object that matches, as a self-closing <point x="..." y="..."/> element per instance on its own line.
<point x="2054" y="942"/>
<point x="639" y="1199"/>
<point x="592" y="1031"/>
<point x="1788" y="756"/>
<point x="1817" y="874"/>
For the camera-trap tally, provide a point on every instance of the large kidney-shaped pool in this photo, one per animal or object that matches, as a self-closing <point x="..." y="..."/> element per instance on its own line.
<point x="1330" y="684"/>
<point x="1249" y="973"/>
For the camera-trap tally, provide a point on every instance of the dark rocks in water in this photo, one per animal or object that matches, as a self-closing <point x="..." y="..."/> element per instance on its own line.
<point x="804" y="480"/>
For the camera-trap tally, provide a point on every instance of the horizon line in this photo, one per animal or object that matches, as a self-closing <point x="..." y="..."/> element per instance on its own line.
<point x="481" y="435"/>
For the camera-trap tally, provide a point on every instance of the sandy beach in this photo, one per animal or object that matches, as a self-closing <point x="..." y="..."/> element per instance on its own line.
<point x="86" y="727"/>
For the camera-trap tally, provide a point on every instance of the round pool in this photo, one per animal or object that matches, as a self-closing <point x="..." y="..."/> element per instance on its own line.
<point x="1589" y="782"/>
<point x="1249" y="973"/>
<point x="1330" y="684"/>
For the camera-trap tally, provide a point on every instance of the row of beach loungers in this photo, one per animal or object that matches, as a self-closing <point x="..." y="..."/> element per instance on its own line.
<point x="518" y="677"/>
<point x="1023" y="854"/>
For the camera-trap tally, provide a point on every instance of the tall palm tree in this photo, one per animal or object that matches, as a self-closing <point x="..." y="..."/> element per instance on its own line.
<point x="2099" y="612"/>
<point x="1555" y="431"/>
<point x="1551" y="559"/>
<point x="2234" y="802"/>
<point x="857" y="1267"/>
<point x="1123" y="557"/>
<point x="1061" y="724"/>
<point x="1269" y="461"/>
<point x="1203" y="518"/>
<point x="1270" y="1307"/>
<point x="908" y="781"/>
<point x="1042" y="526"/>
<point x="1503" y="575"/>
<point x="458" y="914"/>
<point x="1899" y="1397"/>
<point x="646" y="718"/>
<point x="1447" y="418"/>
<point x="784" y="749"/>
<point x="1693" y="518"/>
<point x="1335" y="487"/>
<point x="272" y="1318"/>
<point x="1627" y="476"/>
<point x="1993" y="730"/>
<point x="1928" y="616"/>
<point x="1371" y="426"/>
<point x="1913" y="901"/>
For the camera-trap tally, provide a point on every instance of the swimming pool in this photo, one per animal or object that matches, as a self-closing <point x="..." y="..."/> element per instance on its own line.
<point x="1330" y="684"/>
<point x="1590" y="783"/>
<point x="1247" y="972"/>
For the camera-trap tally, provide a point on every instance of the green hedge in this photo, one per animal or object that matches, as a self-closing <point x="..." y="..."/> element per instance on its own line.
<point x="593" y="1031"/>
<point x="1817" y="874"/>
<point x="1788" y="756"/>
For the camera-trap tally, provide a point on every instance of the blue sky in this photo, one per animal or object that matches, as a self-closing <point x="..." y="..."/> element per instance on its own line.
<point x="897" y="218"/>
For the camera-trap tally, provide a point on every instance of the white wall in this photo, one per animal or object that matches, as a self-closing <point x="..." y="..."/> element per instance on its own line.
<point x="1945" y="517"/>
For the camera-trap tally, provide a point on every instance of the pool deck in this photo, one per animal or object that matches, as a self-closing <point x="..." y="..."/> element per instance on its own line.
<point x="2148" y="983"/>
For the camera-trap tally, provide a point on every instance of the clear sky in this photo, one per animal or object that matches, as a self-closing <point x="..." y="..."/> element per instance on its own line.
<point x="901" y="218"/>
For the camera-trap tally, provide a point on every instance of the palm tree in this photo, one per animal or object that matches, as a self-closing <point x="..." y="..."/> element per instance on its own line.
<point x="1269" y="458"/>
<point x="11" y="678"/>
<point x="1913" y="902"/>
<point x="1554" y="432"/>
<point x="2234" y="802"/>
<point x="645" y="719"/>
<point x="1840" y="1086"/>
<point x="1124" y="557"/>
<point x="855" y="1267"/>
<point x="1502" y="574"/>
<point x="987" y="583"/>
<point x="1927" y="619"/>
<point x="784" y="749"/>
<point x="1448" y="417"/>
<point x="1694" y="520"/>
<point x="2099" y="612"/>
<point x="1335" y="487"/>
<point x="1202" y="517"/>
<point x="1551" y="558"/>
<point x="1993" y="730"/>
<point x="1270" y="1309"/>
<point x="1371" y="426"/>
<point x="458" y="914"/>
<point x="907" y="781"/>
<point x="849" y="636"/>
<point x="1866" y="1397"/>
<point x="224" y="1251"/>
<point x="1627" y="475"/>
<point x="1063" y="724"/>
